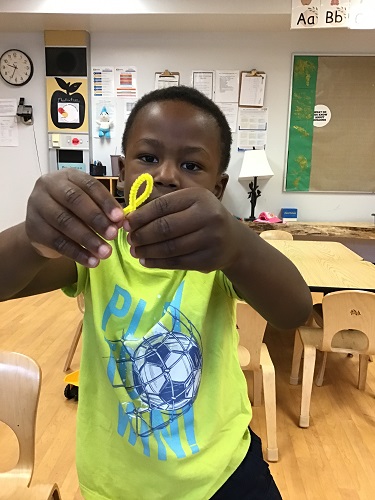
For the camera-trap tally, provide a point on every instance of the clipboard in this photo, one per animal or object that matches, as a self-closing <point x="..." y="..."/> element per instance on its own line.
<point x="166" y="78"/>
<point x="252" y="88"/>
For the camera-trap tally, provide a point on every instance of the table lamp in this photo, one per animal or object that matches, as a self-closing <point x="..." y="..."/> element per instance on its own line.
<point x="254" y="165"/>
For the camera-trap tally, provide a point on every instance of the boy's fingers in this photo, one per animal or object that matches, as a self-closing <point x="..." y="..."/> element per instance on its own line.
<point x="76" y="189"/>
<point x="165" y="228"/>
<point x="54" y="244"/>
<point x="160" y="207"/>
<point x="62" y="231"/>
<point x="184" y="245"/>
<point x="196" y="262"/>
<point x="97" y="209"/>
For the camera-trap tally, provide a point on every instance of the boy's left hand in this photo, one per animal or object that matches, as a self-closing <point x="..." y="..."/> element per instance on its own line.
<point x="188" y="229"/>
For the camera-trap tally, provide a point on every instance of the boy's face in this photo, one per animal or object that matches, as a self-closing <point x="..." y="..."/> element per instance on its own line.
<point x="179" y="145"/>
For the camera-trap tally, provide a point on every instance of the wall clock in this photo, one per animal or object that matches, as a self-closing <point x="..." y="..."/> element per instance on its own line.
<point x="16" y="67"/>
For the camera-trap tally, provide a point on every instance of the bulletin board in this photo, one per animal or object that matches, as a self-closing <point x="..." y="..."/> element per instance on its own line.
<point x="331" y="140"/>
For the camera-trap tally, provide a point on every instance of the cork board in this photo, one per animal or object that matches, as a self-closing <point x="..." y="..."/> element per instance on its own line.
<point x="331" y="143"/>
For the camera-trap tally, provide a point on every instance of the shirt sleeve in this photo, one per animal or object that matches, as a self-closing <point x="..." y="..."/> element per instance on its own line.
<point x="79" y="287"/>
<point x="226" y="285"/>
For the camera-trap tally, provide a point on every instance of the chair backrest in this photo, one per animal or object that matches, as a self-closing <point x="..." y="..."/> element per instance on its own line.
<point x="20" y="381"/>
<point x="81" y="302"/>
<point x="349" y="322"/>
<point x="251" y="327"/>
<point x="276" y="234"/>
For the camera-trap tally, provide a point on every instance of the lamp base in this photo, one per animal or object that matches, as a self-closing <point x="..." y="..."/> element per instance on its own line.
<point x="249" y="219"/>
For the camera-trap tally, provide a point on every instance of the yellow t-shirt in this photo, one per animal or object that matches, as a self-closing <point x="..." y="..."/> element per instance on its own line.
<point x="163" y="408"/>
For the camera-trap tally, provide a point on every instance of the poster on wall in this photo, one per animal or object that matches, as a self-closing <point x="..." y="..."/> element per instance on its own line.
<point x="252" y="128"/>
<point x="66" y="100"/>
<point x="103" y="81"/>
<point x="331" y="143"/>
<point x="321" y="13"/>
<point x="8" y="131"/>
<point x="227" y="85"/>
<point x="204" y="81"/>
<point x="126" y="82"/>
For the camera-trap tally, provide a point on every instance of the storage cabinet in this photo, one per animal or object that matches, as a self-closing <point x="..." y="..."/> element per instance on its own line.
<point x="111" y="183"/>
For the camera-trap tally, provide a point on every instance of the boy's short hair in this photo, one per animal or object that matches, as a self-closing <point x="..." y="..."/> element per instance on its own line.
<point x="190" y="96"/>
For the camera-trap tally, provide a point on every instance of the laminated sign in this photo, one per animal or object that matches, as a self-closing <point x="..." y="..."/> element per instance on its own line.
<point x="320" y="14"/>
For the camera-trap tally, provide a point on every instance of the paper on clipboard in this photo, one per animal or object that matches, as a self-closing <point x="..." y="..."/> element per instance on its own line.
<point x="252" y="87"/>
<point x="166" y="79"/>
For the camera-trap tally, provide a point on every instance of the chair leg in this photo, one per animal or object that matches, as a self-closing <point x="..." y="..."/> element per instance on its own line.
<point x="297" y="355"/>
<point x="307" y="382"/>
<point x="73" y="347"/>
<point x="257" y="387"/>
<point x="320" y="376"/>
<point x="363" y="364"/>
<point x="269" y="391"/>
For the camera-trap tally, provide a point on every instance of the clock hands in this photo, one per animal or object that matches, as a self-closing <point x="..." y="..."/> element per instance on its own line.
<point x="14" y="66"/>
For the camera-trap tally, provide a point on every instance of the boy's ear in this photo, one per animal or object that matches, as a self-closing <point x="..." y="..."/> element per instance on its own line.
<point x="121" y="175"/>
<point x="220" y="186"/>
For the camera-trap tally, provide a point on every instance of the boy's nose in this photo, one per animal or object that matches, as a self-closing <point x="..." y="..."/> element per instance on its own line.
<point x="167" y="174"/>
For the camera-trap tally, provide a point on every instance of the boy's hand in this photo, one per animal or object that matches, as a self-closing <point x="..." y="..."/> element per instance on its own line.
<point x="188" y="229"/>
<point x="67" y="214"/>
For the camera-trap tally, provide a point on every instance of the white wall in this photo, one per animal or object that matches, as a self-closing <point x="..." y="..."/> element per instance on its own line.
<point x="150" y="52"/>
<point x="21" y="166"/>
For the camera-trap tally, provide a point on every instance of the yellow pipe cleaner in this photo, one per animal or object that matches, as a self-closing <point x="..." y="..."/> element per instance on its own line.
<point x="135" y="202"/>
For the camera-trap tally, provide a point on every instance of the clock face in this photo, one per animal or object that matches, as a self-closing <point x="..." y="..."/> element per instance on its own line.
<point x="16" y="67"/>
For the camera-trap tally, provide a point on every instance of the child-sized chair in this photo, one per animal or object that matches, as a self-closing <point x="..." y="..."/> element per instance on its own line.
<point x="77" y="335"/>
<point x="276" y="234"/>
<point x="20" y="381"/>
<point x="253" y="355"/>
<point x="347" y="326"/>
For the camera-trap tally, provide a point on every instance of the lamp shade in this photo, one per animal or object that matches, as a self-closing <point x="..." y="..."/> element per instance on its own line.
<point x="255" y="164"/>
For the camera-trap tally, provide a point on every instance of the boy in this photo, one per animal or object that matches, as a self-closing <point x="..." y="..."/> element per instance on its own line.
<point x="163" y="410"/>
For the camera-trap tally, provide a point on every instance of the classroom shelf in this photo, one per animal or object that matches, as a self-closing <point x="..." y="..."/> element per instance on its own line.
<point x="111" y="184"/>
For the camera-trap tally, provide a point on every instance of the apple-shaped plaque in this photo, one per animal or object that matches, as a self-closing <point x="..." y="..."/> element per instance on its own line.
<point x="67" y="106"/>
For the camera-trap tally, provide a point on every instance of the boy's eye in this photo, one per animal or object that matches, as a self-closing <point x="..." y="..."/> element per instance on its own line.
<point x="148" y="158"/>
<point x="193" y="167"/>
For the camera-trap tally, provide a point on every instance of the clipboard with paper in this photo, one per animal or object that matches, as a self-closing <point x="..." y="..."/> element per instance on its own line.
<point x="166" y="79"/>
<point x="252" y="88"/>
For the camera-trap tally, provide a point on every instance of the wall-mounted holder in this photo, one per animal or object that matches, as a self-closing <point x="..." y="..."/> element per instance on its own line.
<point x="25" y="112"/>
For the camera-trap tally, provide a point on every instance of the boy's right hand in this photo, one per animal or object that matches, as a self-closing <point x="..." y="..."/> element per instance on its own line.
<point x="70" y="213"/>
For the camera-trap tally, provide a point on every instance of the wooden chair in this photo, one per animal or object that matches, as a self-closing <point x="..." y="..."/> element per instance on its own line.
<point x="347" y="326"/>
<point x="276" y="234"/>
<point x="38" y="492"/>
<point x="77" y="335"/>
<point x="20" y="381"/>
<point x="253" y="355"/>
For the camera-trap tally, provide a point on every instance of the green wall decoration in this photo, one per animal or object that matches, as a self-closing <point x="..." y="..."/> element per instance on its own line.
<point x="305" y="69"/>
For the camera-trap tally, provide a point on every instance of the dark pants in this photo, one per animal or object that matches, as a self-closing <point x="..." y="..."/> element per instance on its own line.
<point x="252" y="480"/>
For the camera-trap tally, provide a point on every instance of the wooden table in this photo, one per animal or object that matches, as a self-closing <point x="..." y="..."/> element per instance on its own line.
<point x="298" y="249"/>
<point x="359" y="237"/>
<point x="327" y="267"/>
